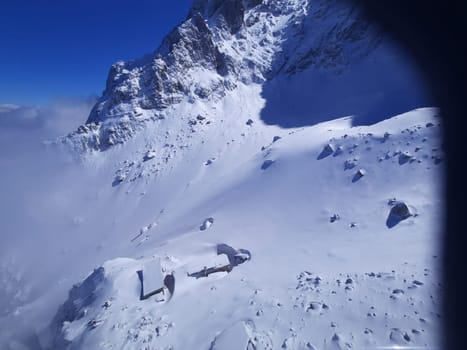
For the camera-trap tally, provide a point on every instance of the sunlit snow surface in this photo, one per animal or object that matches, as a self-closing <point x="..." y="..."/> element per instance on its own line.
<point x="356" y="282"/>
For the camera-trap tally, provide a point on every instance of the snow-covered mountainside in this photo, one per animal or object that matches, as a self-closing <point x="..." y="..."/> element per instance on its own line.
<point x="286" y="51"/>
<point x="340" y="223"/>
<point x="253" y="158"/>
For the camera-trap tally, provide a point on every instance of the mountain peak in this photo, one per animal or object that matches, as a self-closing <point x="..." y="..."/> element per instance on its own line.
<point x="221" y="44"/>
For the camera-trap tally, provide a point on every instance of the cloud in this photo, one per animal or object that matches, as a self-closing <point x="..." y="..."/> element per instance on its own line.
<point x="61" y="117"/>
<point x="24" y="128"/>
<point x="12" y="116"/>
<point x="34" y="184"/>
<point x="7" y="107"/>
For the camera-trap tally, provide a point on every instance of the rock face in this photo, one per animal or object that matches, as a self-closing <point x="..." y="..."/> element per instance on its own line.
<point x="226" y="42"/>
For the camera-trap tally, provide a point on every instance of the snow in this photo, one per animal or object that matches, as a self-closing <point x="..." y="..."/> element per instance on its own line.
<point x="292" y="290"/>
<point x="293" y="224"/>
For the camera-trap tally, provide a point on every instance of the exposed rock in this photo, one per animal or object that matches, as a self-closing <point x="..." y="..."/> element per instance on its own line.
<point x="399" y="211"/>
<point x="327" y="151"/>
<point x="334" y="218"/>
<point x="404" y="157"/>
<point x="206" y="224"/>
<point x="142" y="90"/>
<point x="80" y="297"/>
<point x="339" y="150"/>
<point x="149" y="155"/>
<point x="358" y="175"/>
<point x="266" y="164"/>
<point x="350" y="163"/>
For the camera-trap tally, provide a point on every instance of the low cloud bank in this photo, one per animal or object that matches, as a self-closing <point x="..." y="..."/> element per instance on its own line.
<point x="35" y="184"/>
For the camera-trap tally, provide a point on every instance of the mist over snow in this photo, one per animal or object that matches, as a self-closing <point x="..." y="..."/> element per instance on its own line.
<point x="270" y="177"/>
<point x="31" y="175"/>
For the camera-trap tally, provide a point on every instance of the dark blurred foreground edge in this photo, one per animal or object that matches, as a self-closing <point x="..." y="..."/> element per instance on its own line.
<point x="434" y="34"/>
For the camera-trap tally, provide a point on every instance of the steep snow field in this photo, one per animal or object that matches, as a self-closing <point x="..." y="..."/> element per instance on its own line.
<point x="328" y="267"/>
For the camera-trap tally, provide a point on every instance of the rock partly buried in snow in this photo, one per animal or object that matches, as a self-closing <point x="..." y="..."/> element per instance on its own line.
<point x="149" y="155"/>
<point x="266" y="164"/>
<point x="358" y="175"/>
<point x="334" y="218"/>
<point x="249" y="122"/>
<point x="206" y="224"/>
<point x="276" y="138"/>
<point x="340" y="342"/>
<point x="399" y="337"/>
<point x="399" y="211"/>
<point x="339" y="150"/>
<point x="119" y="179"/>
<point x="404" y="157"/>
<point x="350" y="163"/>
<point x="327" y="151"/>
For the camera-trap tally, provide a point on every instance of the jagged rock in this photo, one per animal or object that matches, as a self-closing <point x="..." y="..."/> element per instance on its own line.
<point x="142" y="90"/>
<point x="327" y="151"/>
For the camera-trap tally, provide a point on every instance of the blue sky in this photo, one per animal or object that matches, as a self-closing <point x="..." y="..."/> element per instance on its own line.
<point x="52" y="49"/>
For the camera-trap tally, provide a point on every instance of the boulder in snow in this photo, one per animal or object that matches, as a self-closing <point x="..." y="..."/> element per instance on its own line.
<point x="358" y="175"/>
<point x="206" y="224"/>
<point x="339" y="150"/>
<point x="266" y="164"/>
<point x="327" y="151"/>
<point x="119" y="179"/>
<point x="149" y="155"/>
<point x="399" y="211"/>
<point x="334" y="218"/>
<point x="404" y="157"/>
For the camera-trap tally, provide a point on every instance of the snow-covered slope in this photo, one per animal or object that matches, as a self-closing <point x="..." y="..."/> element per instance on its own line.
<point x="328" y="266"/>
<point x="228" y="150"/>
